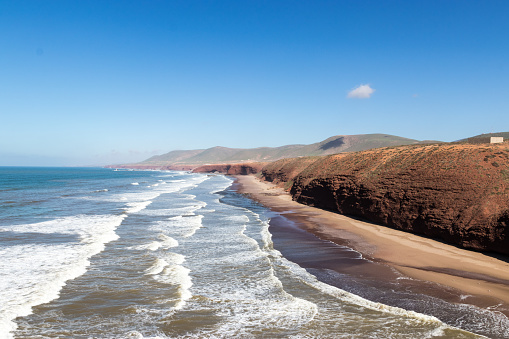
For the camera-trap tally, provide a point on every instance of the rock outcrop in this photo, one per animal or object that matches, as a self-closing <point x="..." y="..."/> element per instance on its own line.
<point x="232" y="169"/>
<point x="457" y="193"/>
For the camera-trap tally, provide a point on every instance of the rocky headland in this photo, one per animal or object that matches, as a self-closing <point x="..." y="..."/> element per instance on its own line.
<point x="457" y="193"/>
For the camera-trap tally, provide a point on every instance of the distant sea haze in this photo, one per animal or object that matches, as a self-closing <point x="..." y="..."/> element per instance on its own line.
<point x="99" y="253"/>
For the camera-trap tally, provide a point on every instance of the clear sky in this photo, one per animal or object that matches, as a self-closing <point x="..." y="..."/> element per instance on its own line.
<point x="101" y="82"/>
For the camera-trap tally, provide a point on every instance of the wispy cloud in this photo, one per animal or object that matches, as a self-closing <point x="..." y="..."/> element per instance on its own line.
<point x="361" y="92"/>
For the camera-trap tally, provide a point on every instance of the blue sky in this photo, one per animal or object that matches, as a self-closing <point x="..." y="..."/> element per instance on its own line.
<point x="101" y="82"/>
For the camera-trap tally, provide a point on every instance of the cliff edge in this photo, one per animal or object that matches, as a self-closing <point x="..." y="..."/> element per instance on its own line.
<point x="458" y="193"/>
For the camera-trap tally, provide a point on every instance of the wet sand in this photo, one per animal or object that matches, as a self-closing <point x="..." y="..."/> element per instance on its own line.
<point x="456" y="275"/>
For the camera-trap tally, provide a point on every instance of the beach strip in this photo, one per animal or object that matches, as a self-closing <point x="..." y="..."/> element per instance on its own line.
<point x="484" y="277"/>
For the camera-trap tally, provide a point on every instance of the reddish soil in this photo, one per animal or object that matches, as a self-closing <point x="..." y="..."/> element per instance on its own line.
<point x="458" y="193"/>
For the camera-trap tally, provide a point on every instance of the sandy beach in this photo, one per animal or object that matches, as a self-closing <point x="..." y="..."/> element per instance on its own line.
<point x="481" y="277"/>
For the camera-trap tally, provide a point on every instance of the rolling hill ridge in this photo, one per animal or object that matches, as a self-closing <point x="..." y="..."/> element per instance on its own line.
<point x="185" y="159"/>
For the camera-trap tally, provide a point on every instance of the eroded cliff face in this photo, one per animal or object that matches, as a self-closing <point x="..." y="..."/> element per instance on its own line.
<point x="232" y="169"/>
<point x="453" y="192"/>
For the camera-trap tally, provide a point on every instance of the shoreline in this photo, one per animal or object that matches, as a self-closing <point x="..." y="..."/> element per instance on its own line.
<point x="475" y="278"/>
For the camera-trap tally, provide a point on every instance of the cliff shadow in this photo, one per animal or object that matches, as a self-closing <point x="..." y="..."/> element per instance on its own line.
<point x="333" y="144"/>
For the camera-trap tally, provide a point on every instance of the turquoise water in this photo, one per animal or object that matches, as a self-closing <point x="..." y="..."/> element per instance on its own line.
<point x="98" y="253"/>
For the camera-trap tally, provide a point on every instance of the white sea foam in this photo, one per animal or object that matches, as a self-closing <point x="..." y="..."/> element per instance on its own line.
<point x="169" y="270"/>
<point x="464" y="296"/>
<point x="404" y="278"/>
<point x="152" y="246"/>
<point x="157" y="267"/>
<point x="299" y="273"/>
<point x="167" y="242"/>
<point x="188" y="224"/>
<point x="177" y="275"/>
<point x="222" y="186"/>
<point x="163" y="242"/>
<point x="189" y="209"/>
<point x="252" y="295"/>
<point x="138" y="335"/>
<point x="183" y="226"/>
<point x="135" y="183"/>
<point x="138" y="201"/>
<point x="283" y="312"/>
<point x="261" y="301"/>
<point x="340" y="294"/>
<point x="134" y="207"/>
<point x="174" y="258"/>
<point x="129" y="197"/>
<point x="35" y="273"/>
<point x="238" y="218"/>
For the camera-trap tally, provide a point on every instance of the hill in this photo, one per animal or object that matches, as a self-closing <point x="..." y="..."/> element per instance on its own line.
<point x="455" y="192"/>
<point x="505" y="135"/>
<point x="218" y="155"/>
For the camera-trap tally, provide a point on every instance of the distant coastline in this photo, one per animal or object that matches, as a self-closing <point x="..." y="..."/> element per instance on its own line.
<point x="456" y="192"/>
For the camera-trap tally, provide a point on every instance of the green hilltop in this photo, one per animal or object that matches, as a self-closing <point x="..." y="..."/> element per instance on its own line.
<point x="332" y="145"/>
<point x="505" y="135"/>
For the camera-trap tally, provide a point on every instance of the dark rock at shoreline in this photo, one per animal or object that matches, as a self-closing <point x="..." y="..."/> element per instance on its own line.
<point x="455" y="193"/>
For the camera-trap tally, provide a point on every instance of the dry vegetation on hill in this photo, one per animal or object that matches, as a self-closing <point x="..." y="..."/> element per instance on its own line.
<point x="455" y="192"/>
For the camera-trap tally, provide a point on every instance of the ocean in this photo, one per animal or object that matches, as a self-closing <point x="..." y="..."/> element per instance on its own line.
<point x="100" y="253"/>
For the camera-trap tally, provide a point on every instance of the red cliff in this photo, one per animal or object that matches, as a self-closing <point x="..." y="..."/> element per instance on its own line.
<point x="454" y="192"/>
<point x="232" y="169"/>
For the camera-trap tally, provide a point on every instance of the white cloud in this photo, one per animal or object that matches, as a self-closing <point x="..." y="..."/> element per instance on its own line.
<point x="361" y="92"/>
